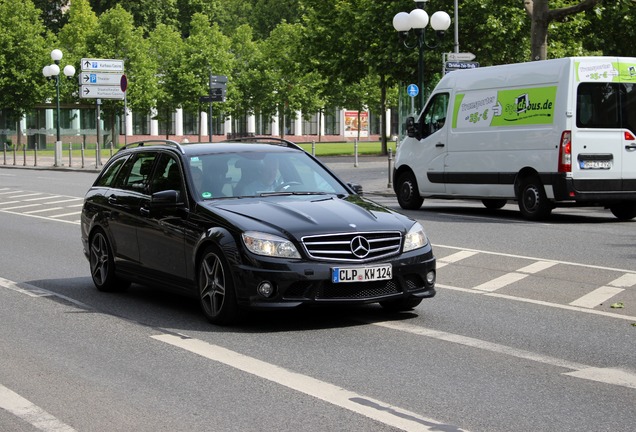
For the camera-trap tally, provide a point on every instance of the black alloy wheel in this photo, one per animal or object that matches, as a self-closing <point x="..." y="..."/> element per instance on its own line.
<point x="102" y="265"/>
<point x="216" y="289"/>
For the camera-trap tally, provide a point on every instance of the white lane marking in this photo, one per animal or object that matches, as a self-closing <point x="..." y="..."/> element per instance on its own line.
<point x="478" y="343"/>
<point x="43" y="210"/>
<point x="539" y="302"/>
<point x="22" y="206"/>
<point x="43" y="198"/>
<point x="537" y="267"/>
<point x="9" y="202"/>
<point x="536" y="259"/>
<point x="26" y="195"/>
<point x="64" y="200"/>
<point x="625" y="281"/>
<point x="612" y="376"/>
<point x="616" y="376"/>
<point x="501" y="281"/>
<point x="40" y="217"/>
<point x="372" y="408"/>
<point x="596" y="297"/>
<point x="458" y="256"/>
<point x="30" y="413"/>
<point x="10" y="192"/>
<point x="65" y="214"/>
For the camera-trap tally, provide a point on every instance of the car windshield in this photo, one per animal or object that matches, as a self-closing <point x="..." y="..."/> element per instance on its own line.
<point x="247" y="174"/>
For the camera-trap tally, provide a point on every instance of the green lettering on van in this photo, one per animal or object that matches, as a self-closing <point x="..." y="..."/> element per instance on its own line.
<point x="605" y="71"/>
<point x="514" y="107"/>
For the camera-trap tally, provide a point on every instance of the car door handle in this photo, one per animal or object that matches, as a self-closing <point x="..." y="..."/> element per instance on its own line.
<point x="440" y="145"/>
<point x="112" y="199"/>
<point x="630" y="147"/>
<point x="144" y="211"/>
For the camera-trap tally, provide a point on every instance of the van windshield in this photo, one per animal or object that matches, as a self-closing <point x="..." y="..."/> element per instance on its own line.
<point x="606" y="105"/>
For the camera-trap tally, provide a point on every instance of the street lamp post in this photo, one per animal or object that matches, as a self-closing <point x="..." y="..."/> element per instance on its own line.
<point x="52" y="72"/>
<point x="417" y="20"/>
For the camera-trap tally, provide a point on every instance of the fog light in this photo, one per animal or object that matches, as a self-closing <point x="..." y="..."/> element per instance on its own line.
<point x="430" y="278"/>
<point x="265" y="289"/>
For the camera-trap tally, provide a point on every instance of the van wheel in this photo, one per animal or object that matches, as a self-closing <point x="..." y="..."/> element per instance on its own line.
<point x="625" y="211"/>
<point x="407" y="194"/>
<point x="494" y="204"/>
<point x="533" y="202"/>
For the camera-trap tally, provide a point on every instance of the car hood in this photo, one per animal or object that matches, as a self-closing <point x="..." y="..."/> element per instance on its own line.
<point x="311" y="214"/>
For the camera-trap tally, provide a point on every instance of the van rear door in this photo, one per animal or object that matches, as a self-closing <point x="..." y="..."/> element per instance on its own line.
<point x="597" y="145"/>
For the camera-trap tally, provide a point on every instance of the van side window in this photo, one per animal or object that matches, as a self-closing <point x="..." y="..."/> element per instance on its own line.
<point x="434" y="115"/>
<point x="606" y="105"/>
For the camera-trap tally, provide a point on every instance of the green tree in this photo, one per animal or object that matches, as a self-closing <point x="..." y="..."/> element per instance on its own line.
<point x="167" y="50"/>
<point x="52" y="13"/>
<point x="207" y="52"/>
<point x="25" y="51"/>
<point x="541" y="16"/>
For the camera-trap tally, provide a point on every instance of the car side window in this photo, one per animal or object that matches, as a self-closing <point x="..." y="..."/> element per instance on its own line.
<point x="110" y="173"/>
<point x="434" y="116"/>
<point x="135" y="174"/>
<point x="167" y="175"/>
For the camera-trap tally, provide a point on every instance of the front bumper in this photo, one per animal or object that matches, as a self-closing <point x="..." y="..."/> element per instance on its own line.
<point x="309" y="282"/>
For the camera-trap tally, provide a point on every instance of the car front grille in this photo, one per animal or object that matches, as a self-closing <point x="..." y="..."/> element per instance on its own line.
<point x="353" y="247"/>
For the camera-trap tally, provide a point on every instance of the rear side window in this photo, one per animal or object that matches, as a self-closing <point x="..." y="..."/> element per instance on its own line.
<point x="108" y="176"/>
<point x="606" y="105"/>
<point x="135" y="174"/>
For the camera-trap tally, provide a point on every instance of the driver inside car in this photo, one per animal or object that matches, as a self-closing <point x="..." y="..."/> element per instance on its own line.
<point x="267" y="180"/>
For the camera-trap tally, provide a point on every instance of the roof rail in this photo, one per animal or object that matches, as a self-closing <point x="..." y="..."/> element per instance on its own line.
<point x="153" y="141"/>
<point x="266" y="139"/>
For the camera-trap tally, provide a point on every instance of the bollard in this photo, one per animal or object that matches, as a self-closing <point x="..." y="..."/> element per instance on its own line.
<point x="35" y="157"/>
<point x="355" y="152"/>
<point x="70" y="154"/>
<point x="24" y="155"/>
<point x="111" y="149"/>
<point x="313" y="147"/>
<point x="14" y="155"/>
<point x="82" y="152"/>
<point x="390" y="183"/>
<point x="4" y="152"/>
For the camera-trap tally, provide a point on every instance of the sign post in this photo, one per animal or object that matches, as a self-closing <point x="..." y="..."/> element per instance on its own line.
<point x="102" y="79"/>
<point x="218" y="84"/>
<point x="412" y="90"/>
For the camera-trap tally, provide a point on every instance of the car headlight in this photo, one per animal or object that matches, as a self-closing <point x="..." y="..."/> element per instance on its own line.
<point x="269" y="245"/>
<point x="415" y="238"/>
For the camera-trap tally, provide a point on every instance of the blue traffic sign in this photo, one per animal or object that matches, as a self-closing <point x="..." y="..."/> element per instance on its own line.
<point x="412" y="90"/>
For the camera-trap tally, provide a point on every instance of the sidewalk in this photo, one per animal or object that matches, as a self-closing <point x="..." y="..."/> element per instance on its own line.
<point x="371" y="172"/>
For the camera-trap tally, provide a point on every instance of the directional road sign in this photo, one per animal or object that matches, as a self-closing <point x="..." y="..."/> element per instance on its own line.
<point x="460" y="56"/>
<point x="100" y="78"/>
<point x="101" y="92"/>
<point x="102" y="65"/>
<point x="454" y="65"/>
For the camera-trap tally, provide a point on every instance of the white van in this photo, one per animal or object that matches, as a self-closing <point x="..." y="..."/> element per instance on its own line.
<point x="547" y="133"/>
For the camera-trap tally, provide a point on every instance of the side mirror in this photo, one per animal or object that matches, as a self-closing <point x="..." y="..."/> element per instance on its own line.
<point x="357" y="188"/>
<point x="413" y="128"/>
<point x="166" y="198"/>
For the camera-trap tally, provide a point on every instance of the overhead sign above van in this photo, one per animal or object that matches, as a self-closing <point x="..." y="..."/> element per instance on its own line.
<point x="467" y="56"/>
<point x="455" y="65"/>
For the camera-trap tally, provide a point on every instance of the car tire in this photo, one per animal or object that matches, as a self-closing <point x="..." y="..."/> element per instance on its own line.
<point x="217" y="295"/>
<point x="102" y="264"/>
<point x="494" y="204"/>
<point x="401" y="305"/>
<point x="408" y="195"/>
<point x="624" y="211"/>
<point x="533" y="202"/>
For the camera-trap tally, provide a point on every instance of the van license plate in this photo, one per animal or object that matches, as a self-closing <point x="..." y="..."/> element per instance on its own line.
<point x="596" y="164"/>
<point x="361" y="274"/>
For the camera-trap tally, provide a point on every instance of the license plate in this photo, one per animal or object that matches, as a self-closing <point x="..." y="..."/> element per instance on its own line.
<point x="361" y="274"/>
<point x="595" y="164"/>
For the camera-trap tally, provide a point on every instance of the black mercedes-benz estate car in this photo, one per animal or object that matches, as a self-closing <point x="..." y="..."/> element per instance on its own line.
<point x="256" y="223"/>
